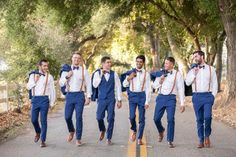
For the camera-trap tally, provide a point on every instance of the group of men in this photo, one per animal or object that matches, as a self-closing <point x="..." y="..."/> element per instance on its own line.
<point x="139" y="86"/>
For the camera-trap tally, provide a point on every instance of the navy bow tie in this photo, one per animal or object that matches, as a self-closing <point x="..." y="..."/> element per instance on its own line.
<point x="41" y="74"/>
<point x="201" y="66"/>
<point x="138" y="70"/>
<point x="106" y="72"/>
<point x="75" y="68"/>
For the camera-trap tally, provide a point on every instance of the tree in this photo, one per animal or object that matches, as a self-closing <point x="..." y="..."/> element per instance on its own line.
<point x="228" y="16"/>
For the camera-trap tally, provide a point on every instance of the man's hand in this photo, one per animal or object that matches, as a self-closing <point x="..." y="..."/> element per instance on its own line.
<point x="119" y="104"/>
<point x="70" y="73"/>
<point x="182" y="109"/>
<point x="196" y="70"/>
<point x="131" y="76"/>
<point x="162" y="78"/>
<point x="87" y="101"/>
<point x="146" y="106"/>
<point x="37" y="76"/>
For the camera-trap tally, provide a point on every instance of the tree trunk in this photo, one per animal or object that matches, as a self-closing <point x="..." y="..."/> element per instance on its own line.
<point x="212" y="50"/>
<point x="182" y="64"/>
<point x="219" y="66"/>
<point x="227" y="8"/>
<point x="155" y="47"/>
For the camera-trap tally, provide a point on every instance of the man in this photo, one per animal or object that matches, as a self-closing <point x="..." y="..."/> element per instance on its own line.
<point x="109" y="95"/>
<point x="204" y="85"/>
<point x="139" y="95"/>
<point x="42" y="87"/>
<point x="77" y="81"/>
<point x="169" y="84"/>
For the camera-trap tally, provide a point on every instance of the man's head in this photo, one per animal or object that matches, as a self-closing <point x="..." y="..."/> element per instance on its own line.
<point x="43" y="65"/>
<point x="199" y="57"/>
<point x="140" y="61"/>
<point x="76" y="58"/>
<point x="106" y="62"/>
<point x="169" y="63"/>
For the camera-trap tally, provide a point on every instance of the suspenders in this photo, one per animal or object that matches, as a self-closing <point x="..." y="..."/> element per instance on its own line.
<point x="82" y="83"/>
<point x="45" y="87"/>
<point x="209" y="84"/>
<point x="144" y="81"/>
<point x="173" y="87"/>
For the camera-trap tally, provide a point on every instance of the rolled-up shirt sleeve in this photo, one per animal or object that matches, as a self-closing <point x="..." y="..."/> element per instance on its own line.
<point x="126" y="82"/>
<point x="148" y="89"/>
<point x="180" y="89"/>
<point x="190" y="78"/>
<point x="31" y="83"/>
<point x="96" y="79"/>
<point x="118" y="91"/>
<point x="52" y="92"/>
<point x="88" y="84"/>
<point x="156" y="84"/>
<point x="214" y="82"/>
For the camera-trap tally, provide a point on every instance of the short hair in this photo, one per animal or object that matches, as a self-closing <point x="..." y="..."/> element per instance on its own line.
<point x="42" y="61"/>
<point x="76" y="53"/>
<point x="105" y="58"/>
<point x="141" y="57"/>
<point x="199" y="52"/>
<point x="171" y="59"/>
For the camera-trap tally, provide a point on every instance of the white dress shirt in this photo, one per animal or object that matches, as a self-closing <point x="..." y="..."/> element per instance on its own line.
<point x="167" y="85"/>
<point x="97" y="80"/>
<point x="40" y="85"/>
<point x="73" y="84"/>
<point x="202" y="80"/>
<point x="138" y="83"/>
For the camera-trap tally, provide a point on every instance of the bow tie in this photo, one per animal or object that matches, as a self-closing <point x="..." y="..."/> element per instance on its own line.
<point x="106" y="72"/>
<point x="201" y="66"/>
<point x="75" y="68"/>
<point x="41" y="74"/>
<point x="138" y="70"/>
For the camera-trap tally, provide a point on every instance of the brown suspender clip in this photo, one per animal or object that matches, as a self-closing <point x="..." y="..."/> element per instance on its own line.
<point x="172" y="89"/>
<point x="45" y="87"/>
<point x="144" y="81"/>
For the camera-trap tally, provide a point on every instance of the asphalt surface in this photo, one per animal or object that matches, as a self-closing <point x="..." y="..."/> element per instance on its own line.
<point x="223" y="138"/>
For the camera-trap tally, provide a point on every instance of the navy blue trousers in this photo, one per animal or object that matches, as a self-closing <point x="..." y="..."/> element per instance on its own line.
<point x="40" y="104"/>
<point x="103" y="106"/>
<point x="75" y="101"/>
<point x="202" y="104"/>
<point x="137" y="99"/>
<point x="165" y="103"/>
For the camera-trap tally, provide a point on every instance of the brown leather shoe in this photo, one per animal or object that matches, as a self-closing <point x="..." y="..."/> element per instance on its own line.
<point x="70" y="136"/>
<point x="43" y="144"/>
<point x="78" y="143"/>
<point x="207" y="142"/>
<point x="109" y="142"/>
<point x="36" y="138"/>
<point x="200" y="145"/>
<point x="161" y="136"/>
<point x="140" y="142"/>
<point x="102" y="135"/>
<point x="171" y="145"/>
<point x="133" y="137"/>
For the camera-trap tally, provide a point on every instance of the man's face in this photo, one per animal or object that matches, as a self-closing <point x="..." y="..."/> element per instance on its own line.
<point x="168" y="65"/>
<point x="139" y="63"/>
<point x="107" y="64"/>
<point x="197" y="58"/>
<point x="76" y="59"/>
<point x="44" y="67"/>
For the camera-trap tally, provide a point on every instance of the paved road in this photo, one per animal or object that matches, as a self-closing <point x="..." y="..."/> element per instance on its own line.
<point x="223" y="139"/>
